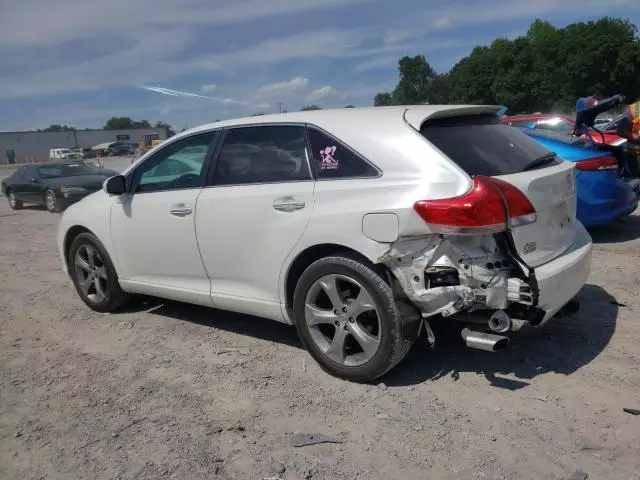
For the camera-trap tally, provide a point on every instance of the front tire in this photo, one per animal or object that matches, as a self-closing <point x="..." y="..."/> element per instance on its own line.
<point x="14" y="203"/>
<point x="348" y="319"/>
<point x="93" y="274"/>
<point x="51" y="202"/>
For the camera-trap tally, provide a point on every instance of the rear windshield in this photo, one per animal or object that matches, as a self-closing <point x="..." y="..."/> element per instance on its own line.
<point x="482" y="145"/>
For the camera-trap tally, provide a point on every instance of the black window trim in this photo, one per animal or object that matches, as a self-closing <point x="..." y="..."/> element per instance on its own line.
<point x="214" y="163"/>
<point x="132" y="179"/>
<point x="344" y="145"/>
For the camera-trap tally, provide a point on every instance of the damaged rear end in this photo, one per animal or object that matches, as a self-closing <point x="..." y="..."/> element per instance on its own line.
<point x="509" y="251"/>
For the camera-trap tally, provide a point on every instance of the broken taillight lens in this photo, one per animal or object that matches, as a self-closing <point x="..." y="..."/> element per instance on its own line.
<point x="490" y="206"/>
<point x="596" y="164"/>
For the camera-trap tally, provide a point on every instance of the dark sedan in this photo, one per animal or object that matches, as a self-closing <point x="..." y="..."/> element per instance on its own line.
<point x="54" y="185"/>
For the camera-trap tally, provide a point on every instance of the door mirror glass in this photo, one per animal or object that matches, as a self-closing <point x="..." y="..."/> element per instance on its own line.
<point x="115" y="185"/>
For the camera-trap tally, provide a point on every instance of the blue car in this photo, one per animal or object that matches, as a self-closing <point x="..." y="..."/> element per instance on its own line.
<point x="603" y="196"/>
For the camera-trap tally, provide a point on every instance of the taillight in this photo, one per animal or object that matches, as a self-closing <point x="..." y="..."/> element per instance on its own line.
<point x="490" y="206"/>
<point x="596" y="164"/>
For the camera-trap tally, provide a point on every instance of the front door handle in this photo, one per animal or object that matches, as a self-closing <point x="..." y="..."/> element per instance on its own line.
<point x="180" y="210"/>
<point x="288" y="204"/>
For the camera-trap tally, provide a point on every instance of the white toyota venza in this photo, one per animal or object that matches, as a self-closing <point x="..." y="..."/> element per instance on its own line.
<point x="356" y="225"/>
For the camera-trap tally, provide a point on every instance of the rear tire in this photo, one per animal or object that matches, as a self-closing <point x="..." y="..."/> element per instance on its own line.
<point x="93" y="274"/>
<point x="14" y="203"/>
<point x="349" y="321"/>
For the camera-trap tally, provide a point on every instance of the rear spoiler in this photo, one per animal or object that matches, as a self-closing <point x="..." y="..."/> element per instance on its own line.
<point x="417" y="116"/>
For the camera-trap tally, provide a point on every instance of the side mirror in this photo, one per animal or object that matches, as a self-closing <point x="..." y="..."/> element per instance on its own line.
<point x="115" y="185"/>
<point x="34" y="180"/>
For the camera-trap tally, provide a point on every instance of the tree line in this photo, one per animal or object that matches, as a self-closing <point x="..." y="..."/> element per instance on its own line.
<point x="116" y="123"/>
<point x="544" y="70"/>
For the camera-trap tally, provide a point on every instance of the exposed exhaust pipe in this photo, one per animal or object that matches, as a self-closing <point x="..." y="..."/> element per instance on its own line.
<point x="500" y="322"/>
<point x="484" y="341"/>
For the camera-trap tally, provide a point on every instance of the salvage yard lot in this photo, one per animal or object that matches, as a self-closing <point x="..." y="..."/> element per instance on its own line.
<point x="166" y="390"/>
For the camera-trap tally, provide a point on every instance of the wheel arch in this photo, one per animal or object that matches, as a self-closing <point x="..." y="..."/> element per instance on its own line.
<point x="313" y="253"/>
<point x="70" y="236"/>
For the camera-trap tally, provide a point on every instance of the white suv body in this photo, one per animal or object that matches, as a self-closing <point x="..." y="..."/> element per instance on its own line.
<point x="403" y="213"/>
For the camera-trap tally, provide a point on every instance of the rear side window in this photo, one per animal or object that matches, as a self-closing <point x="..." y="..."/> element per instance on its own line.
<point x="332" y="159"/>
<point x="263" y="154"/>
<point x="482" y="145"/>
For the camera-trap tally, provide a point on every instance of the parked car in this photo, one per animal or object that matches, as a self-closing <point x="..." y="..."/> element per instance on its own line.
<point x="356" y="225"/>
<point x="603" y="196"/>
<point x="54" y="185"/>
<point x="122" y="148"/>
<point x="562" y="124"/>
<point x="58" y="154"/>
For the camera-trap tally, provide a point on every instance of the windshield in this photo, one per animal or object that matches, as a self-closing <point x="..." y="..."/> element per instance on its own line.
<point x="64" y="170"/>
<point x="482" y="145"/>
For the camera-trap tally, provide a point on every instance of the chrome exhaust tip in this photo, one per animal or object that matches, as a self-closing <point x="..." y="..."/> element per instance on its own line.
<point x="500" y="322"/>
<point x="484" y="341"/>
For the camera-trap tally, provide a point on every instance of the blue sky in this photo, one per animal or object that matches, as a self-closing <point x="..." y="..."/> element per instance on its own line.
<point x="80" y="62"/>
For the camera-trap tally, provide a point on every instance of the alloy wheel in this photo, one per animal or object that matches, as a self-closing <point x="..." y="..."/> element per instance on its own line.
<point x="50" y="198"/>
<point x="91" y="273"/>
<point x="343" y="320"/>
<point x="12" y="199"/>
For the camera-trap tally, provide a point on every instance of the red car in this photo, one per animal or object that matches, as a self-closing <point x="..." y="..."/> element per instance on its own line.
<point x="560" y="123"/>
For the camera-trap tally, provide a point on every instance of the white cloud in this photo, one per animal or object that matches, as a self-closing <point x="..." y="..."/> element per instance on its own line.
<point x="394" y="37"/>
<point x="233" y="101"/>
<point x="443" y="23"/>
<point x="320" y="94"/>
<point x="262" y="106"/>
<point x="306" y="46"/>
<point x="375" y="63"/>
<point x="73" y="19"/>
<point x="283" y="88"/>
<point x="208" y="88"/>
<point x="176" y="93"/>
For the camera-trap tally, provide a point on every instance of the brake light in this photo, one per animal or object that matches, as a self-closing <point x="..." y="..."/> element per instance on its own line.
<point x="596" y="164"/>
<point x="490" y="206"/>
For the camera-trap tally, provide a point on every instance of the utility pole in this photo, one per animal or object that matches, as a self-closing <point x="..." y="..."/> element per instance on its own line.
<point x="280" y="104"/>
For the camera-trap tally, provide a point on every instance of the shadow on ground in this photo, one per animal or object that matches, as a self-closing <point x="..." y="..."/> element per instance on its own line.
<point x="248" y="325"/>
<point x="622" y="230"/>
<point x="564" y="345"/>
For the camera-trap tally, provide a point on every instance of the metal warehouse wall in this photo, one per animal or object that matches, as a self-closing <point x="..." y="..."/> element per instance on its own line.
<point x="37" y="144"/>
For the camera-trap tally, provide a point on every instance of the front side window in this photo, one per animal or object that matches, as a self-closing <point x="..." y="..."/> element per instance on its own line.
<point x="179" y="165"/>
<point x="332" y="159"/>
<point x="63" y="170"/>
<point x="262" y="154"/>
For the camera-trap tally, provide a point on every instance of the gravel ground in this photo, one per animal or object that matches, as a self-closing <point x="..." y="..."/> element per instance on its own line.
<point x="166" y="390"/>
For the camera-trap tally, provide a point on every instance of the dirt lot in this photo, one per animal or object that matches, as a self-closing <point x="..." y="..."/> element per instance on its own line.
<point x="173" y="391"/>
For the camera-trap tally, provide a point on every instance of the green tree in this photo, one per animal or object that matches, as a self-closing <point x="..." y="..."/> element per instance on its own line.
<point x="170" y="131"/>
<point x="382" y="99"/>
<point x="306" y="108"/>
<point x="58" y="128"/>
<point x="546" y="69"/>
<point x="417" y="82"/>
<point x="122" y="123"/>
<point x="258" y="114"/>
<point x="349" y="106"/>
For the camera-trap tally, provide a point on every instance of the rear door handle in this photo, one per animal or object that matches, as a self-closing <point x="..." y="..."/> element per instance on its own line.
<point x="288" y="204"/>
<point x="180" y="210"/>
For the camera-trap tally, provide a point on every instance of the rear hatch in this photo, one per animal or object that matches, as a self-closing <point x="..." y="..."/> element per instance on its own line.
<point x="482" y="146"/>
